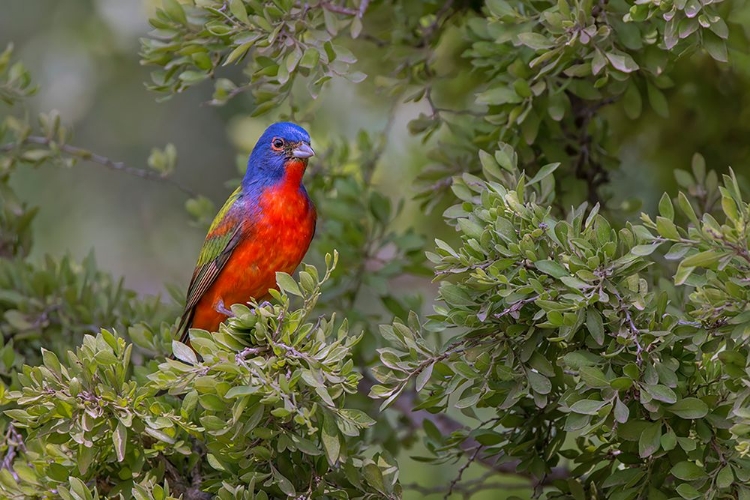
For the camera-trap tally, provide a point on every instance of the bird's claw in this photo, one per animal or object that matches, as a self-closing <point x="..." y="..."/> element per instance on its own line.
<point x="221" y="308"/>
<point x="261" y="305"/>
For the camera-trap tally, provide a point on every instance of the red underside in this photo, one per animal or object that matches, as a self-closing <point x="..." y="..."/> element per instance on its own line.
<point x="277" y="242"/>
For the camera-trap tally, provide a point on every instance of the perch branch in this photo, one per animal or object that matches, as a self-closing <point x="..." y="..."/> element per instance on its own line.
<point x="83" y="154"/>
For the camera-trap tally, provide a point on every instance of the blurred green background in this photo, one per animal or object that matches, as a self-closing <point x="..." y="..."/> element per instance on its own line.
<point x="84" y="56"/>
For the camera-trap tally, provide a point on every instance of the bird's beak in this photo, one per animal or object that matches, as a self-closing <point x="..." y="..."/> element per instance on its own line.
<point x="303" y="151"/>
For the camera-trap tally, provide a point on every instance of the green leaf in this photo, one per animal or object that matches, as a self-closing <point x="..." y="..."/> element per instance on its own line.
<point x="454" y="295"/>
<point x="535" y="41"/>
<point x="120" y="440"/>
<point x="622" y="62"/>
<point x="310" y="58"/>
<point x="594" y="377"/>
<point x="539" y="382"/>
<point x="284" y="484"/>
<point x="687" y="471"/>
<point x="241" y="390"/>
<point x="725" y="477"/>
<point x="595" y="325"/>
<point x="183" y="353"/>
<point x="669" y="440"/>
<point x="374" y="477"/>
<point x="688" y="492"/>
<point x="287" y="284"/>
<point x="661" y="393"/>
<point x="543" y="172"/>
<point x="644" y="250"/>
<point x="587" y="406"/>
<point x="666" y="209"/>
<point x="237" y="53"/>
<point x="622" y="412"/>
<point x="715" y="46"/>
<point x="666" y="228"/>
<point x="687" y="208"/>
<point x="500" y="8"/>
<point x="650" y="440"/>
<point x="657" y="100"/>
<point x="424" y="376"/>
<point x="552" y="268"/>
<point x="689" y="408"/>
<point x="498" y="95"/>
<point x="175" y="11"/>
<point x="632" y="101"/>
<point x="470" y="228"/>
<point x="330" y="438"/>
<point x="237" y="7"/>
<point x="702" y="259"/>
<point x="489" y="165"/>
<point x="682" y="274"/>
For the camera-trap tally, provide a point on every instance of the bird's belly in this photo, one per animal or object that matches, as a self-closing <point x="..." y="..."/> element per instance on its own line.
<point x="278" y="242"/>
<point x="252" y="270"/>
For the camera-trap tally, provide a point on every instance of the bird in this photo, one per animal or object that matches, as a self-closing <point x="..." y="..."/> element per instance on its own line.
<point x="265" y="227"/>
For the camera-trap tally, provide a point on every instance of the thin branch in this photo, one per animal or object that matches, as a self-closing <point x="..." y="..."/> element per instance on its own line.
<point x="516" y="306"/>
<point x="362" y="8"/>
<point x="368" y="169"/>
<point x="429" y="31"/>
<point x="469" y="487"/>
<point x="436" y="110"/>
<point x="405" y="404"/>
<point x="83" y="154"/>
<point x="339" y="9"/>
<point x="635" y="332"/>
<point x="461" y="471"/>
<point x="14" y="441"/>
<point x="241" y="356"/>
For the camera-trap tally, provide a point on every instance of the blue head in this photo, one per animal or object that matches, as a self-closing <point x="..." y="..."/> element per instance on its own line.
<point x="282" y="145"/>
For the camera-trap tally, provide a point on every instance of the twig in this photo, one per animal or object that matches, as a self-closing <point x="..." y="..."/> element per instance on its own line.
<point x="437" y="110"/>
<point x="405" y="404"/>
<point x="635" y="332"/>
<point x="461" y="472"/>
<point x="429" y="31"/>
<point x="362" y="8"/>
<point x="469" y="487"/>
<point x="590" y="170"/>
<point x="368" y="169"/>
<point x="83" y="154"/>
<point x="241" y="356"/>
<point x="516" y="306"/>
<point x="14" y="440"/>
<point x="339" y="9"/>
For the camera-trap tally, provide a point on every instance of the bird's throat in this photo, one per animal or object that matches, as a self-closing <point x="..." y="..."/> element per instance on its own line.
<point x="293" y="171"/>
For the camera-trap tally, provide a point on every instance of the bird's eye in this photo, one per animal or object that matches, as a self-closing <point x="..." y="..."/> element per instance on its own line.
<point x="277" y="143"/>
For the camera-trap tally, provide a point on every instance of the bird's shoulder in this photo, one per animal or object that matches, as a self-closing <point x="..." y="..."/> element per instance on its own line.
<point x="224" y="228"/>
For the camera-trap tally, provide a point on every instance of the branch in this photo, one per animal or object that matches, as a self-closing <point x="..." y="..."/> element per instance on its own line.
<point x="405" y="404"/>
<point x="587" y="167"/>
<point x="83" y="154"/>
<point x="467" y="488"/>
<point x="340" y="9"/>
<point x="14" y="441"/>
<point x="441" y="16"/>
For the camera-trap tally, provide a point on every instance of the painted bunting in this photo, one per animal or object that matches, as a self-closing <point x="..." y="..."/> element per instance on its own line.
<point x="265" y="226"/>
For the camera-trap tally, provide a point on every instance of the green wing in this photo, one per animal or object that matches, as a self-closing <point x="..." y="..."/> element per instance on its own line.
<point x="222" y="238"/>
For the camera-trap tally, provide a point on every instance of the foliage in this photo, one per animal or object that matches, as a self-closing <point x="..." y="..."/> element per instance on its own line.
<point x="596" y="355"/>
<point x="268" y="418"/>
<point x="566" y="337"/>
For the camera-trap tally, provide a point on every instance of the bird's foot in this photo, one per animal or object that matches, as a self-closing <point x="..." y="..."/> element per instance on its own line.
<point x="261" y="305"/>
<point x="220" y="308"/>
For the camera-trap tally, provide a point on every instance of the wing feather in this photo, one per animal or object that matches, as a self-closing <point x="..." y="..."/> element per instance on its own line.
<point x="223" y="237"/>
